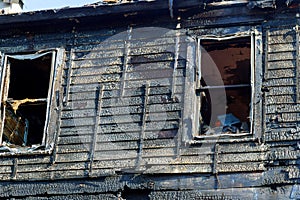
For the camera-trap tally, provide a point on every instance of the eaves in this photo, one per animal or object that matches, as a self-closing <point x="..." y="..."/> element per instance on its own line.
<point x="156" y="8"/>
<point x="98" y="11"/>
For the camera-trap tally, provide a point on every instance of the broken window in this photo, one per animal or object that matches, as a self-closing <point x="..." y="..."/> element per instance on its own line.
<point x="224" y="88"/>
<point x="26" y="92"/>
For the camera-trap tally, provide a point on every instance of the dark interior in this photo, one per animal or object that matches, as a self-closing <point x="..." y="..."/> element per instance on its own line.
<point x="36" y="116"/>
<point x="29" y="78"/>
<point x="226" y="81"/>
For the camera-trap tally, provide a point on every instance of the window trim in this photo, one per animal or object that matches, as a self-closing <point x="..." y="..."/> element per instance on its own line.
<point x="57" y="55"/>
<point x="255" y="82"/>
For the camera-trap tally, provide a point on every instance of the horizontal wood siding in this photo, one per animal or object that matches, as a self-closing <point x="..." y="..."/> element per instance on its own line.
<point x="281" y="107"/>
<point x="121" y="106"/>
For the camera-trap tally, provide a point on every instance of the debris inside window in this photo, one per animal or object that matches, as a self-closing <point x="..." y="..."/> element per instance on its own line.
<point x="25" y="100"/>
<point x="225" y="87"/>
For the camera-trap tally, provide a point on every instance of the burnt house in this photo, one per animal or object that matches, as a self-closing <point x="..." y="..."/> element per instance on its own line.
<point x="194" y="99"/>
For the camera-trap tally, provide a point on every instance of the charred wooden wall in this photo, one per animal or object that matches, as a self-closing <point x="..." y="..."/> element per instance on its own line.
<point x="108" y="147"/>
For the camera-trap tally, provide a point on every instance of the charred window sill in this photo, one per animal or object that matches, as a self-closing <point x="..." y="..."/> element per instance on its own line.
<point x="241" y="137"/>
<point x="7" y="150"/>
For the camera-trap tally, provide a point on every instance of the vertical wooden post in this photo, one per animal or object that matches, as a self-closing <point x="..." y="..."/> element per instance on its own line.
<point x="176" y="57"/>
<point x="297" y="65"/>
<point x="142" y="134"/>
<point x="98" y="100"/>
<point x="126" y="60"/>
<point x="68" y="78"/>
<point x="14" y="168"/>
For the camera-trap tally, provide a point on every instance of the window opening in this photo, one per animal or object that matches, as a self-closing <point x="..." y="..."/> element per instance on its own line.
<point x="225" y="86"/>
<point x="25" y="99"/>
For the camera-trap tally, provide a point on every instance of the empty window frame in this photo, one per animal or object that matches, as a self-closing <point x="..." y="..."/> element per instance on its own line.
<point x="27" y="84"/>
<point x="224" y="88"/>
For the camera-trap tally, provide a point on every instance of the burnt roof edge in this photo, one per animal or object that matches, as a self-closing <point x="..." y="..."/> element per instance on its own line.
<point x="102" y="10"/>
<point x="95" y="10"/>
